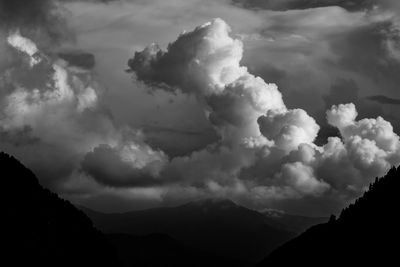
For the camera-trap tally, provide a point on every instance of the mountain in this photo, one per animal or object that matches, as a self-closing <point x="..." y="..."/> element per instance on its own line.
<point x="366" y="232"/>
<point x="158" y="250"/>
<point x="40" y="229"/>
<point x="215" y="226"/>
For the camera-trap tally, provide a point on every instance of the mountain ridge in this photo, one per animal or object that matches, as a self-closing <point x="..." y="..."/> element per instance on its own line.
<point x="217" y="226"/>
<point x="43" y="229"/>
<point x="365" y="232"/>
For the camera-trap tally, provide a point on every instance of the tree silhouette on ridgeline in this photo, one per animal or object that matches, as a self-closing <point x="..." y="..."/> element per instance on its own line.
<point x="41" y="229"/>
<point x="366" y="232"/>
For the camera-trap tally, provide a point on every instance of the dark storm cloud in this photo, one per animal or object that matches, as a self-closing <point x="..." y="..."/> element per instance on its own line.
<point x="372" y="58"/>
<point x="178" y="142"/>
<point x="19" y="137"/>
<point x="99" y="1"/>
<point x="29" y="13"/>
<point x="282" y="5"/>
<point x="79" y="59"/>
<point x="342" y="91"/>
<point x="40" y="18"/>
<point x="107" y="167"/>
<point x="381" y="99"/>
<point x="94" y="1"/>
<point x="270" y="73"/>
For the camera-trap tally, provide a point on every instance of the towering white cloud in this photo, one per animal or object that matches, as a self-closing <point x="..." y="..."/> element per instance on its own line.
<point x="206" y="63"/>
<point x="266" y="150"/>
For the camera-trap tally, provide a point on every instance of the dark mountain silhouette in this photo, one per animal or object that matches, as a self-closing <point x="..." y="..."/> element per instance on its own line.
<point x="366" y="232"/>
<point x="215" y="226"/>
<point x="43" y="230"/>
<point x="158" y="250"/>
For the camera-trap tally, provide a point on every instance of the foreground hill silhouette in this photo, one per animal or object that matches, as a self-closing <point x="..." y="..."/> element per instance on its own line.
<point x="159" y="250"/>
<point x="366" y="232"/>
<point x="220" y="227"/>
<point x="43" y="230"/>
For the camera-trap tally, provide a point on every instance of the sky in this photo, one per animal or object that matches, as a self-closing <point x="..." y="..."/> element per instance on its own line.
<point x="130" y="104"/>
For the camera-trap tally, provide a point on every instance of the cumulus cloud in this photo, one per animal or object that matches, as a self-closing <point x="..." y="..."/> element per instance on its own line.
<point x="265" y="154"/>
<point x="380" y="131"/>
<point x="266" y="151"/>
<point x="289" y="129"/>
<point x="62" y="114"/>
<point x="206" y="63"/>
<point x="310" y="58"/>
<point x="301" y="178"/>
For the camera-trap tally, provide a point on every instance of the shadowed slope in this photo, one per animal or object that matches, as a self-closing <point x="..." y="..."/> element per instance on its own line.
<point x="159" y="250"/>
<point x="367" y="231"/>
<point x="43" y="230"/>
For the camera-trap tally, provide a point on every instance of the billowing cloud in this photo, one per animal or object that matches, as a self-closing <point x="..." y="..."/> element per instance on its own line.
<point x="206" y="63"/>
<point x="131" y="165"/>
<point x="301" y="178"/>
<point x="65" y="124"/>
<point x="310" y="53"/>
<point x="289" y="129"/>
<point x="266" y="151"/>
<point x="250" y="145"/>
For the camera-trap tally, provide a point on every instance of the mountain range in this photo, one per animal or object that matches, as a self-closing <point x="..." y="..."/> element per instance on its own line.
<point x="50" y="231"/>
<point x="42" y="229"/>
<point x="217" y="226"/>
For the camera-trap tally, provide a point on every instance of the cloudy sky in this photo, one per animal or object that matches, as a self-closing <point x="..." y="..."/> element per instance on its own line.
<point x="131" y="104"/>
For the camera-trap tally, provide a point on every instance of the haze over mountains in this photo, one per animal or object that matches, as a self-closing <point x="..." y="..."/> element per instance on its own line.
<point x="216" y="226"/>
